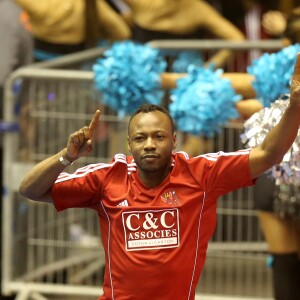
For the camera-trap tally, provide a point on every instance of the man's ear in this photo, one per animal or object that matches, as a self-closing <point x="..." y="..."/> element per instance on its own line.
<point x="174" y="142"/>
<point x="128" y="144"/>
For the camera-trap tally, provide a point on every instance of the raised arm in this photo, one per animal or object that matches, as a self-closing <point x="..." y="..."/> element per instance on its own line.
<point x="281" y="137"/>
<point x="37" y="183"/>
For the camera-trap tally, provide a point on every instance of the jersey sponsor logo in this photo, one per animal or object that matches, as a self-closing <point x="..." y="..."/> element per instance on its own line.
<point x="151" y="229"/>
<point x="170" y="198"/>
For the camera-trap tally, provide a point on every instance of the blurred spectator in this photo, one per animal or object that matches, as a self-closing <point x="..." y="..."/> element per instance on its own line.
<point x="181" y="19"/>
<point x="247" y="15"/>
<point x="16" y="40"/>
<point x="67" y="26"/>
<point x="16" y="47"/>
<point x="16" y="50"/>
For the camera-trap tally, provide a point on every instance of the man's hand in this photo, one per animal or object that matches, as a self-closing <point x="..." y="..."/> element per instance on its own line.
<point x="80" y="142"/>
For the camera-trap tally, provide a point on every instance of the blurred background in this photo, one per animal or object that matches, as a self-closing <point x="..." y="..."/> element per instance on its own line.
<point x="47" y="90"/>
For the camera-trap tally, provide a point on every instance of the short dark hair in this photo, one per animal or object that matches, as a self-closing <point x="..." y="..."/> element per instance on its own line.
<point x="146" y="108"/>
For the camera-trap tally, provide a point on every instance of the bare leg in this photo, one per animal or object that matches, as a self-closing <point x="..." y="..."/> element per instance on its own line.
<point x="282" y="236"/>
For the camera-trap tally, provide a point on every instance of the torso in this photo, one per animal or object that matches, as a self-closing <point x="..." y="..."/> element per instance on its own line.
<point x="162" y="233"/>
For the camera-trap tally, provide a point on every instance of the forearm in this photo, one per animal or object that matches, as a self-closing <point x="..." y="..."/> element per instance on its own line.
<point x="36" y="185"/>
<point x="246" y="108"/>
<point x="169" y="80"/>
<point x="277" y="142"/>
<point x="280" y="139"/>
<point x="219" y="59"/>
<point x="241" y="83"/>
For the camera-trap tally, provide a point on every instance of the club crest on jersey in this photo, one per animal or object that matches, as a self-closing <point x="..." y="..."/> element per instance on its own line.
<point x="170" y="198"/>
<point x="151" y="229"/>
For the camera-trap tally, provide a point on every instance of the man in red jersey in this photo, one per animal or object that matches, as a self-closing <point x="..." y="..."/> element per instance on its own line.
<point x="157" y="208"/>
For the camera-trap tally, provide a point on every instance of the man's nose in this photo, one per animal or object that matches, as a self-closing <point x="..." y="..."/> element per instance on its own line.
<point x="149" y="143"/>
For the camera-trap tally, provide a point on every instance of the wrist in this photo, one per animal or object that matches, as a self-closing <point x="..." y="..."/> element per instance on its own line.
<point x="65" y="159"/>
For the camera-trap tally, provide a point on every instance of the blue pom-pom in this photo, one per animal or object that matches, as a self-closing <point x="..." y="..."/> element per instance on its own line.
<point x="129" y="75"/>
<point x="203" y="102"/>
<point x="184" y="59"/>
<point x="273" y="73"/>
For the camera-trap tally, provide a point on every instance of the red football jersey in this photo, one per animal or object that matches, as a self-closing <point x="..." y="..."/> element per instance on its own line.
<point x="155" y="239"/>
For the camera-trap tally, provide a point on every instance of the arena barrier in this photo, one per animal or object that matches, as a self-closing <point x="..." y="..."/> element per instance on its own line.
<point x="45" y="253"/>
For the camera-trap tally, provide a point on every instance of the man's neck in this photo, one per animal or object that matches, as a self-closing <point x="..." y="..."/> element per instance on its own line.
<point x="151" y="180"/>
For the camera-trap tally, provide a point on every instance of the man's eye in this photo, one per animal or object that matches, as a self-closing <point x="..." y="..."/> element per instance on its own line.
<point x="138" y="138"/>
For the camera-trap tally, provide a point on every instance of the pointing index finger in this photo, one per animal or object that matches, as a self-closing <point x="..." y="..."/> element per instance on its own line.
<point x="95" y="120"/>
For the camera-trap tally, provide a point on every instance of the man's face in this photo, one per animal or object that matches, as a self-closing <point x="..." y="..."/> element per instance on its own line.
<point x="151" y="141"/>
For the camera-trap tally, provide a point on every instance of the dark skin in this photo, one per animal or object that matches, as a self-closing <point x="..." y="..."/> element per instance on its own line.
<point x="151" y="141"/>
